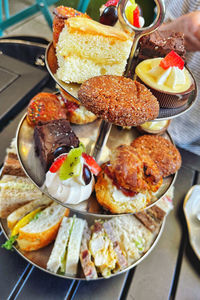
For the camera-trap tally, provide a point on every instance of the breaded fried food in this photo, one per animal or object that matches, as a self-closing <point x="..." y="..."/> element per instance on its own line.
<point x="162" y="151"/>
<point x="127" y="183"/>
<point x="118" y="100"/>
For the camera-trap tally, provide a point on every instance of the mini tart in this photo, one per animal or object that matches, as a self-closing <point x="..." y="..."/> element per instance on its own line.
<point x="166" y="99"/>
<point x="148" y="128"/>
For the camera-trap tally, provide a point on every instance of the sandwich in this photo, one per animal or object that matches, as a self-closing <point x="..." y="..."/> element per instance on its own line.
<point x="15" y="188"/>
<point x="64" y="257"/>
<point x="87" y="263"/>
<point x="16" y="191"/>
<point x="38" y="225"/>
<point x="87" y="48"/>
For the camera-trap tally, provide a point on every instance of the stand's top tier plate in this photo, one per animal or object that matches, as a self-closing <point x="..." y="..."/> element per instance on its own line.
<point x="87" y="134"/>
<point x="72" y="88"/>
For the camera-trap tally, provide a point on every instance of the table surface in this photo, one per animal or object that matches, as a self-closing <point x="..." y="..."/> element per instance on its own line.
<point x="171" y="271"/>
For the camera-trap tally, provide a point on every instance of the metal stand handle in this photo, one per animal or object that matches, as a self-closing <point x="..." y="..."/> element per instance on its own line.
<point x="139" y="32"/>
<point x="105" y="127"/>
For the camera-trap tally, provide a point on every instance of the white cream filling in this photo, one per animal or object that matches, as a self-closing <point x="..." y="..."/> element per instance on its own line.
<point x="72" y="190"/>
<point x="120" y="197"/>
<point x="171" y="77"/>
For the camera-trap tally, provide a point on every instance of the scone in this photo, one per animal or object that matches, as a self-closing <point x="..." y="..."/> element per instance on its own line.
<point x="127" y="182"/>
<point x="76" y="113"/>
<point x="87" y="48"/>
<point x="162" y="151"/>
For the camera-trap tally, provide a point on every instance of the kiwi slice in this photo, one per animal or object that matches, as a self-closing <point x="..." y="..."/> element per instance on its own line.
<point x="72" y="164"/>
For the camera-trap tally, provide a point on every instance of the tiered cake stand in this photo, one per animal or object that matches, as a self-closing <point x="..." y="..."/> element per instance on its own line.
<point x="99" y="137"/>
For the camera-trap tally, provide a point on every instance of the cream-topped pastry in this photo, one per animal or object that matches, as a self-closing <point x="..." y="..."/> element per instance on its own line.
<point x="72" y="190"/>
<point x="167" y="78"/>
<point x="70" y="178"/>
<point x="172" y="79"/>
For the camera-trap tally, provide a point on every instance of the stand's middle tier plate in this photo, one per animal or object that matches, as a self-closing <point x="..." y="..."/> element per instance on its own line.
<point x="87" y="134"/>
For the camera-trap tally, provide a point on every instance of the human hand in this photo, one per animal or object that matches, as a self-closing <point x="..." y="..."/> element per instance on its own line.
<point x="189" y="24"/>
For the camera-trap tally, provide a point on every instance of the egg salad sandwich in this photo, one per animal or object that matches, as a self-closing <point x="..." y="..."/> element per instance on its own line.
<point x="35" y="225"/>
<point x="64" y="257"/>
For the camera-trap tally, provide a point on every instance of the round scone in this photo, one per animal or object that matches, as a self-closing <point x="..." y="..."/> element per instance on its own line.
<point x="118" y="100"/>
<point x="76" y="113"/>
<point x="162" y="151"/>
<point x="127" y="182"/>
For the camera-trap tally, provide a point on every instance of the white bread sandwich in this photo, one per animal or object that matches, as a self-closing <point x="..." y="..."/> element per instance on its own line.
<point x="15" y="188"/>
<point x="87" y="48"/>
<point x="16" y="191"/>
<point x="105" y="249"/>
<point x="22" y="211"/>
<point x="64" y="257"/>
<point x="87" y="264"/>
<point x="37" y="228"/>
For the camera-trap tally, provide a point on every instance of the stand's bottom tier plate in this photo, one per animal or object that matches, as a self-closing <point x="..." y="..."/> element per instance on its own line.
<point x="87" y="134"/>
<point x="40" y="257"/>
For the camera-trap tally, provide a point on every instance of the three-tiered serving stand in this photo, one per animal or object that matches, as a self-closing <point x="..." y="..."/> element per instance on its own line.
<point x="99" y="137"/>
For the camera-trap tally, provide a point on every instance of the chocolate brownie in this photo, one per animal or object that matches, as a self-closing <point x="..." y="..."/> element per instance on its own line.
<point x="160" y="43"/>
<point x="51" y="135"/>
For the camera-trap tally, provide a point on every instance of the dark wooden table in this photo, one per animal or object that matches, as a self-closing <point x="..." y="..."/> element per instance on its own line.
<point x="171" y="271"/>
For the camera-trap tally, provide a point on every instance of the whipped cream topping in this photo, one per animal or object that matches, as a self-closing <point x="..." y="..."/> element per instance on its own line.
<point x="120" y="197"/>
<point x="171" y="77"/>
<point x="170" y="80"/>
<point x="72" y="190"/>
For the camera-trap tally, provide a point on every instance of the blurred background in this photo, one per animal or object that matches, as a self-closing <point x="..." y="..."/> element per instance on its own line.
<point x="37" y="25"/>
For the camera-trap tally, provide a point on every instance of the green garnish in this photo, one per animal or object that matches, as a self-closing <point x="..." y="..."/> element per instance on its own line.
<point x="82" y="146"/>
<point x="72" y="164"/>
<point x="36" y="216"/>
<point x="139" y="244"/>
<point x="9" y="243"/>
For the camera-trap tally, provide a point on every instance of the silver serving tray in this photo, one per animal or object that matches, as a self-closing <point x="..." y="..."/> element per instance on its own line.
<point x="72" y="88"/>
<point x="87" y="134"/>
<point x="40" y="257"/>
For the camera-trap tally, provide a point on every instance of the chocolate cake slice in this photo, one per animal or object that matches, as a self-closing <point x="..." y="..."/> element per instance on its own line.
<point x="51" y="135"/>
<point x="160" y="43"/>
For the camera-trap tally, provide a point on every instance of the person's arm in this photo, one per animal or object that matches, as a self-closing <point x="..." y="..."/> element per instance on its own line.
<point x="189" y="24"/>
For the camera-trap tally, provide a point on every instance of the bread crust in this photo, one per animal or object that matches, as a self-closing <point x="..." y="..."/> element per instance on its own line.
<point x="119" y="100"/>
<point x="28" y="241"/>
<point x="162" y="151"/>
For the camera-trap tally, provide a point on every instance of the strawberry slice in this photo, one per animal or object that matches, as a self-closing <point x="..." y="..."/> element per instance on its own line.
<point x="57" y="163"/>
<point x="111" y="3"/>
<point x="71" y="106"/>
<point x="136" y="14"/>
<point x="172" y="59"/>
<point x="92" y="164"/>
